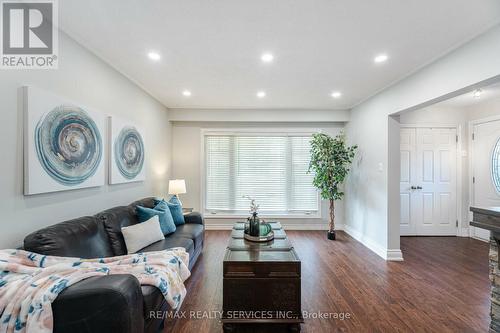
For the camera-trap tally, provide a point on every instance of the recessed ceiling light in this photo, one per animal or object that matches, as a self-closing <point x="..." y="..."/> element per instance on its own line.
<point x="381" y="58"/>
<point x="261" y="94"/>
<point x="154" y="55"/>
<point x="477" y="93"/>
<point x="186" y="93"/>
<point x="267" y="57"/>
<point x="336" y="94"/>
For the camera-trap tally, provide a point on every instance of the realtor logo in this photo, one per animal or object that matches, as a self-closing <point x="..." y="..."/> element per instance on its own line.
<point x="29" y="34"/>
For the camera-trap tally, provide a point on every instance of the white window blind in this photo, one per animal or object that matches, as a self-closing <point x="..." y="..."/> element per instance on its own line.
<point x="270" y="168"/>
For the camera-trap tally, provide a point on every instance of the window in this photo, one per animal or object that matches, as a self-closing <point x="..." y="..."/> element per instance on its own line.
<point x="495" y="166"/>
<point x="269" y="168"/>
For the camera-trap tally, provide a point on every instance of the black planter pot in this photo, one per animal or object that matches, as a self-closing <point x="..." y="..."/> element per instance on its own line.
<point x="331" y="235"/>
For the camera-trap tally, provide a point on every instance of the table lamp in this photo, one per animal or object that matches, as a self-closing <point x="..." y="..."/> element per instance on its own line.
<point x="176" y="187"/>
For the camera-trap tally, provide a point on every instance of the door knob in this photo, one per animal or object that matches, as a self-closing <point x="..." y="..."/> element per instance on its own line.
<point x="419" y="187"/>
<point x="413" y="187"/>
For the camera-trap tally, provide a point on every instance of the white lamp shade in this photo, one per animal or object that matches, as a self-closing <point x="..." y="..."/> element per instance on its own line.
<point x="176" y="186"/>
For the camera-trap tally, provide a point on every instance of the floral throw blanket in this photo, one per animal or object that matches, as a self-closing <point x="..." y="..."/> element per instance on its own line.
<point x="30" y="282"/>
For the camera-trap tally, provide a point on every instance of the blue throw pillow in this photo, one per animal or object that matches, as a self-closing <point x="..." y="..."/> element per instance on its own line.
<point x="167" y="224"/>
<point x="175" y="209"/>
<point x="174" y="200"/>
<point x="161" y="205"/>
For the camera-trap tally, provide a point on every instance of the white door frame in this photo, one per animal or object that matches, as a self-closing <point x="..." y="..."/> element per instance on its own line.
<point x="473" y="123"/>
<point x="460" y="231"/>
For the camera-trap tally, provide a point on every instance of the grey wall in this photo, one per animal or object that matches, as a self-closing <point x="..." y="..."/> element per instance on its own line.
<point x="84" y="78"/>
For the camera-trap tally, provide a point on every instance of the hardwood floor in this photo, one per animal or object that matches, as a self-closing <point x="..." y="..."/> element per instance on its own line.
<point x="442" y="286"/>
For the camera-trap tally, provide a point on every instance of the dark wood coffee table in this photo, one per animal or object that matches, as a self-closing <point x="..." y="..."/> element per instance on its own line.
<point x="261" y="282"/>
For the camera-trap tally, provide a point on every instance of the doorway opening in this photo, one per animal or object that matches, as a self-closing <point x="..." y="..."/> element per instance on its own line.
<point x="449" y="161"/>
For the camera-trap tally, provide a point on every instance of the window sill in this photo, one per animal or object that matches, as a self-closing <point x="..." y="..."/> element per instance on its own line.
<point x="208" y="215"/>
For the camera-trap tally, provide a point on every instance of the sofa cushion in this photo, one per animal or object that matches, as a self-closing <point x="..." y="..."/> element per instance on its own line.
<point x="175" y="206"/>
<point x="164" y="217"/>
<point x="169" y="219"/>
<point x="139" y="235"/>
<point x="191" y="231"/>
<point x="170" y="242"/>
<point x="175" y="210"/>
<point x="177" y="214"/>
<point x="114" y="220"/>
<point x="84" y="237"/>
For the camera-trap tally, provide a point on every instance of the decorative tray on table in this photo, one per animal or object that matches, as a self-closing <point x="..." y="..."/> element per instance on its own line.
<point x="266" y="233"/>
<point x="266" y="238"/>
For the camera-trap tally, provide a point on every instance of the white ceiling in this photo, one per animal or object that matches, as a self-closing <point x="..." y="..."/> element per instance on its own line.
<point x="488" y="93"/>
<point x="213" y="48"/>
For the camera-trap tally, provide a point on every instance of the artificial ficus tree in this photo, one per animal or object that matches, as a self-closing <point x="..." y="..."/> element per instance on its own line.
<point x="330" y="161"/>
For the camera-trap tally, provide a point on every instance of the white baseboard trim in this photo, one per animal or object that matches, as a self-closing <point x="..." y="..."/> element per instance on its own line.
<point x="386" y="254"/>
<point x="368" y="242"/>
<point x="286" y="226"/>
<point x="306" y="226"/>
<point x="394" y="255"/>
<point x="463" y="232"/>
<point x="480" y="239"/>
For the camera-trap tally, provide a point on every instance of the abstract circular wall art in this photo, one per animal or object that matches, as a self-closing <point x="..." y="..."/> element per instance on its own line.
<point x="63" y="144"/>
<point x="127" y="162"/>
<point x="129" y="152"/>
<point x="68" y="145"/>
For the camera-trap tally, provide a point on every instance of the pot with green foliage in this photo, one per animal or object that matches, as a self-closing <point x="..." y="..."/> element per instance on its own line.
<point x="331" y="159"/>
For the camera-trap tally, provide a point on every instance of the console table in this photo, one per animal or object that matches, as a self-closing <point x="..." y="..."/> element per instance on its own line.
<point x="489" y="219"/>
<point x="261" y="282"/>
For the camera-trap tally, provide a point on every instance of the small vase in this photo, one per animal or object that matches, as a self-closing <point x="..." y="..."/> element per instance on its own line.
<point x="254" y="225"/>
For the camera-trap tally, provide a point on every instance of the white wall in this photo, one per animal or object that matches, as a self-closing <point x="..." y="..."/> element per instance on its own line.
<point x="258" y="115"/>
<point x="435" y="115"/>
<point x="187" y="160"/>
<point x="84" y="78"/>
<point x="484" y="109"/>
<point x="372" y="194"/>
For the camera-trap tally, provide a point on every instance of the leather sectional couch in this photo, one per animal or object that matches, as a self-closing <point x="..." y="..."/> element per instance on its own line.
<point x="114" y="303"/>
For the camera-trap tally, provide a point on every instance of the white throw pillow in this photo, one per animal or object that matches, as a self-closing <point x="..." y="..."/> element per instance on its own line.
<point x="142" y="234"/>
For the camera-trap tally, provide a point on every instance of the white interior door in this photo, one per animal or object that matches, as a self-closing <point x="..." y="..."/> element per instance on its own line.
<point x="407" y="155"/>
<point x="428" y="181"/>
<point x="485" y="194"/>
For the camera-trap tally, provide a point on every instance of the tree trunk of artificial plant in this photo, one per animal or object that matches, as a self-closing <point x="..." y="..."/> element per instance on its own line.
<point x="332" y="215"/>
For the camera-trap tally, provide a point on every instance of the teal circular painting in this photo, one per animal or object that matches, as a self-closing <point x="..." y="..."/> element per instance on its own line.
<point x="129" y="152"/>
<point x="68" y="145"/>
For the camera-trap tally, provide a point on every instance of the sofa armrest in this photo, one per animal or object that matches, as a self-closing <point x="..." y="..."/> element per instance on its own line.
<point x="111" y="303"/>
<point x="194" y="218"/>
